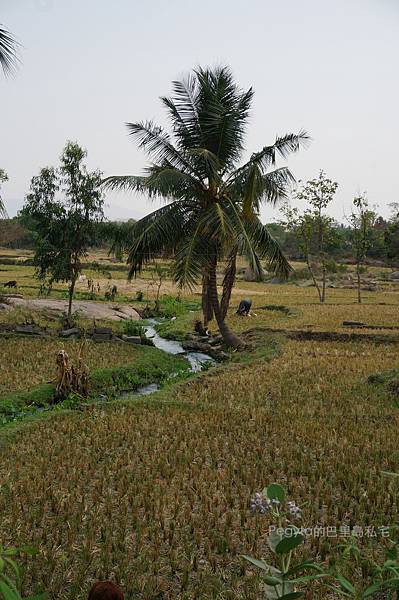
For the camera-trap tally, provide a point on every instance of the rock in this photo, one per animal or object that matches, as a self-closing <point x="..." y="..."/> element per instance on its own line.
<point x="66" y="333"/>
<point x="306" y="283"/>
<point x="217" y="339"/>
<point x="395" y="275"/>
<point x="220" y="355"/>
<point x="353" y="324"/>
<point x="276" y="280"/>
<point x="132" y="339"/>
<point x="17" y="296"/>
<point x="29" y="330"/>
<point x="103" y="330"/>
<point x="241" y="270"/>
<point x="102" y="334"/>
<point x="196" y="346"/>
<point x="249" y="275"/>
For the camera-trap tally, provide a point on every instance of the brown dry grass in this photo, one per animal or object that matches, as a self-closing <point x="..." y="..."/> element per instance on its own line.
<point x="155" y="494"/>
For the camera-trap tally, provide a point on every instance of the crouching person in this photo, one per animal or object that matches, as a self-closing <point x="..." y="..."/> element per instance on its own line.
<point x="244" y="308"/>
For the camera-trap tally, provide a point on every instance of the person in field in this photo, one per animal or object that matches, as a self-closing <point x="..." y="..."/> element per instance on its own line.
<point x="244" y="308"/>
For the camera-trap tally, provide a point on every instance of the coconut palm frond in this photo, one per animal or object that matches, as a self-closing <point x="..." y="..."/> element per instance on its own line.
<point x="159" y="147"/>
<point x="266" y="247"/>
<point x="124" y="183"/>
<point x="8" y="51"/>
<point x="191" y="259"/>
<point x="158" y="232"/>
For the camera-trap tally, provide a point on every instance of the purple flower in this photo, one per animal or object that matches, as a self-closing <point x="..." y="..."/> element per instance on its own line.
<point x="259" y="503"/>
<point x="294" y="510"/>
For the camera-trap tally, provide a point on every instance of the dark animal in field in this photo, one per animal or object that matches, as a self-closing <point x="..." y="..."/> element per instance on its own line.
<point x="105" y="590"/>
<point x="244" y="307"/>
<point x="10" y="284"/>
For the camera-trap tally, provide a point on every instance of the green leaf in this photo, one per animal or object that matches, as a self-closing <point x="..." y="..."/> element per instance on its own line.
<point x="273" y="539"/>
<point x="258" y="563"/>
<point x="346" y="584"/>
<point x="289" y="543"/>
<point x="306" y="578"/>
<point x="30" y="550"/>
<point x="303" y="566"/>
<point x="37" y="597"/>
<point x="8" y="592"/>
<point x="370" y="591"/>
<point x="272" y="580"/>
<point x="275" y="491"/>
<point x="392" y="553"/>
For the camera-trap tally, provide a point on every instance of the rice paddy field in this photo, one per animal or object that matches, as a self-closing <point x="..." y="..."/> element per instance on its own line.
<point x="154" y="493"/>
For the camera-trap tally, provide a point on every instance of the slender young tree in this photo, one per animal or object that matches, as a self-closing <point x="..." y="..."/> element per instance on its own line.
<point x="3" y="178"/>
<point x="361" y="221"/>
<point x="63" y="207"/>
<point x="313" y="227"/>
<point x="197" y="170"/>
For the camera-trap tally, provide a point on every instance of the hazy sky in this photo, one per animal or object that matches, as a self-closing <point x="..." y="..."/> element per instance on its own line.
<point x="88" y="66"/>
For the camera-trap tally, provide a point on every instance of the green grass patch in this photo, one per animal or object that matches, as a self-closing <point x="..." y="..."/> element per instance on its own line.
<point x="150" y="366"/>
<point x="177" y="329"/>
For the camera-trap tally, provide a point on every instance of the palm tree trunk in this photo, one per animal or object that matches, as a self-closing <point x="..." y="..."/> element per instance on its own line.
<point x="228" y="283"/>
<point x="207" y="309"/>
<point x="229" y="338"/>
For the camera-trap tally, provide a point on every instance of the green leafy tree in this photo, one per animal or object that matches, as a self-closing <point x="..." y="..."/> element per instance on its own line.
<point x="63" y="207"/>
<point x="197" y="170"/>
<point x="391" y="236"/>
<point x="313" y="228"/>
<point x="8" y="51"/>
<point x="3" y="178"/>
<point x="361" y="221"/>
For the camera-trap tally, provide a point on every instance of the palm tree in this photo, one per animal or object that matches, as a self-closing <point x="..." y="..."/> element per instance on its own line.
<point x="8" y="51"/>
<point x="197" y="171"/>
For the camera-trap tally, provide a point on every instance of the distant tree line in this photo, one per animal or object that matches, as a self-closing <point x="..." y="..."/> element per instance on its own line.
<point x="384" y="238"/>
<point x="16" y="232"/>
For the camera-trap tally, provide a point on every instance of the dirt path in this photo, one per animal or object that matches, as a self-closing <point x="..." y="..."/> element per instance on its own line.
<point x="88" y="309"/>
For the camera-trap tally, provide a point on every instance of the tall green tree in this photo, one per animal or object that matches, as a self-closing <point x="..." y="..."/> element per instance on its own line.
<point x="197" y="170"/>
<point x="63" y="207"/>
<point x="8" y="51"/>
<point x="3" y="178"/>
<point x="361" y="221"/>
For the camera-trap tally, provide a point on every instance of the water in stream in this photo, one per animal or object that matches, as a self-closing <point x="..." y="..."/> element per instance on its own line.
<point x="196" y="359"/>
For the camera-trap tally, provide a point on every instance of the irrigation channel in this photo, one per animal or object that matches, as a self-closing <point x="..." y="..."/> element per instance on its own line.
<point x="196" y="359"/>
